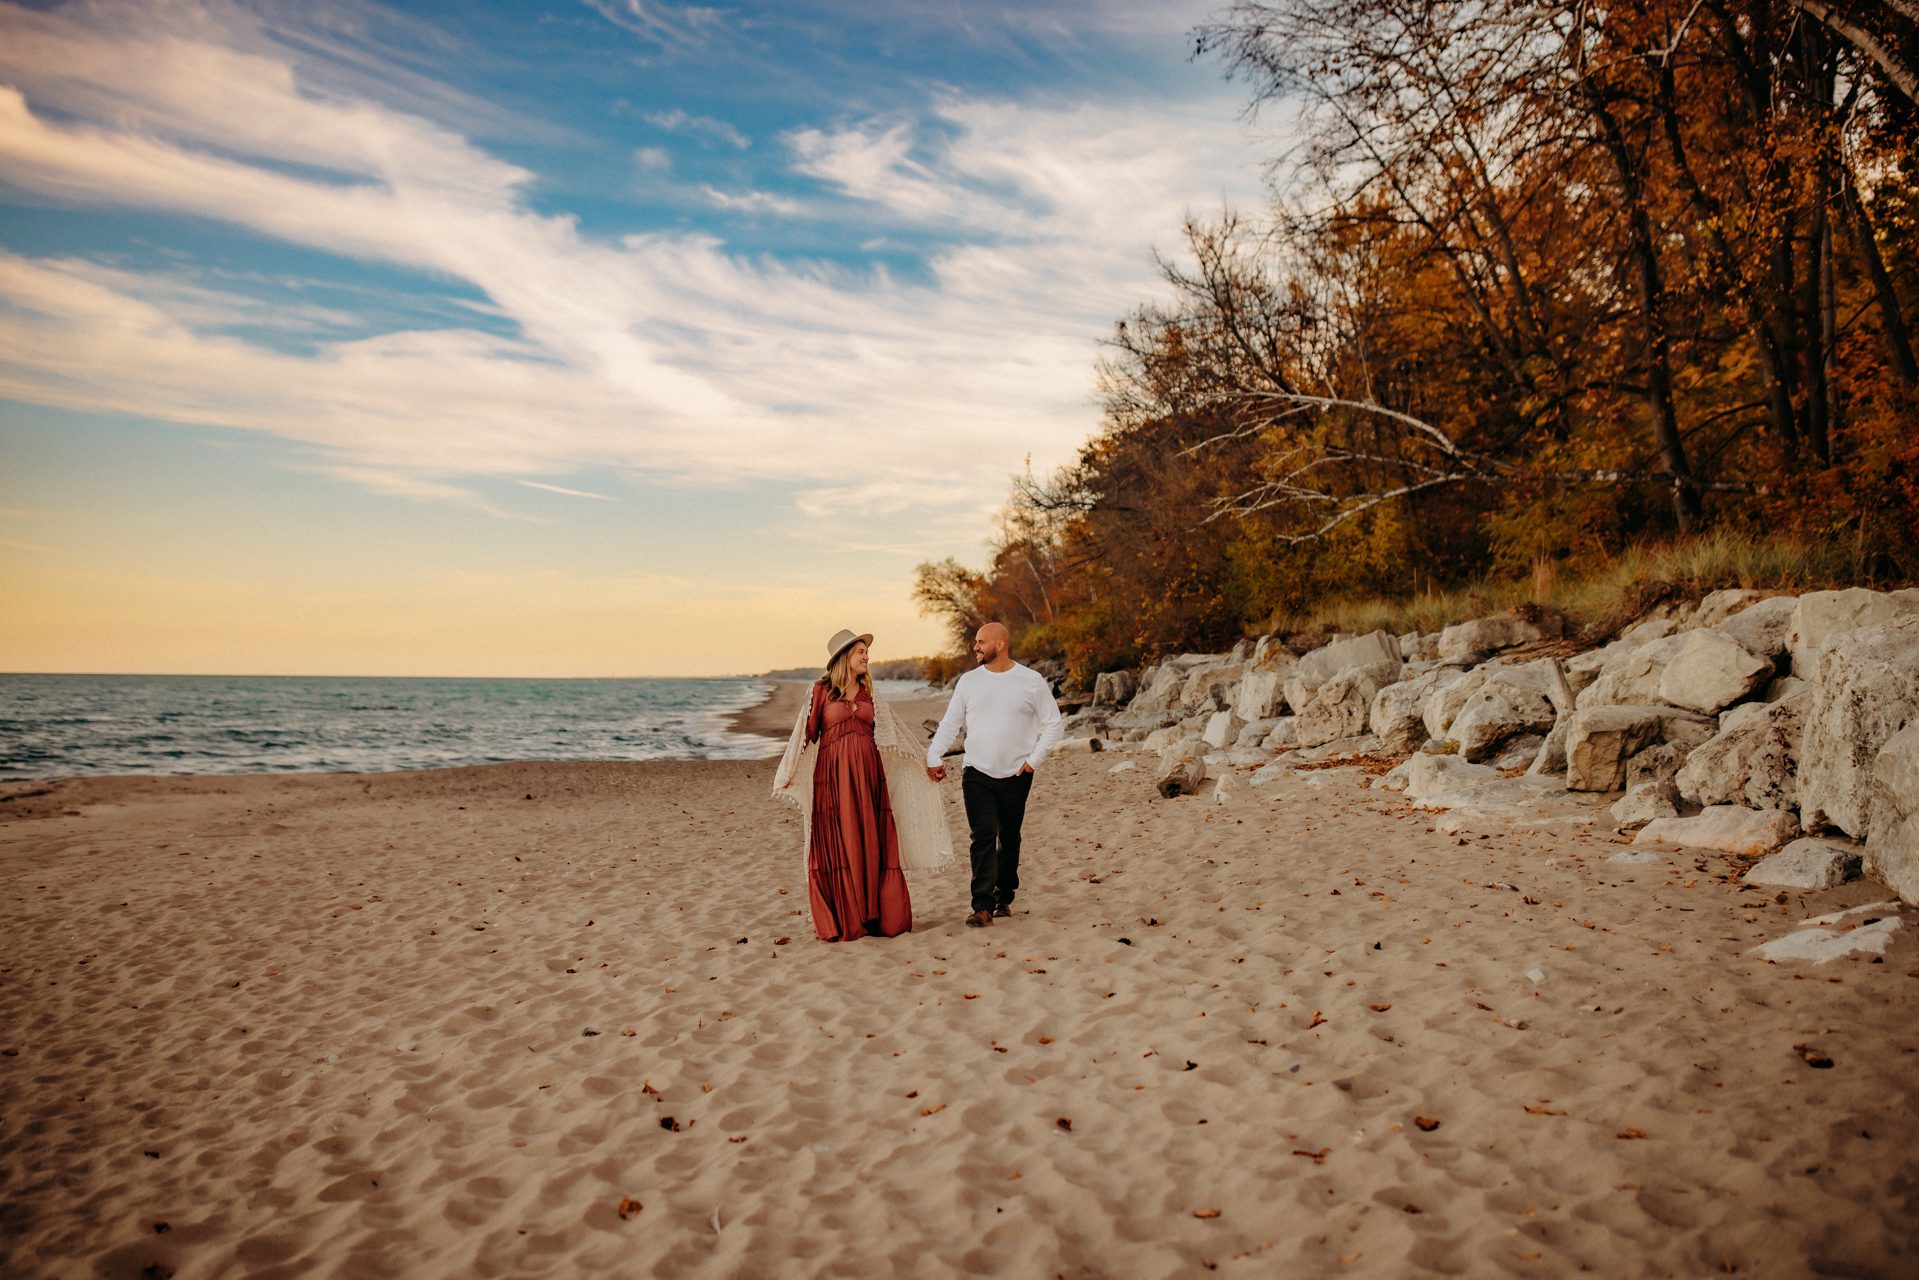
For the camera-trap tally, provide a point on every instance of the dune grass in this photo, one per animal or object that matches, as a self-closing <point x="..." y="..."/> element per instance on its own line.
<point x="1602" y="596"/>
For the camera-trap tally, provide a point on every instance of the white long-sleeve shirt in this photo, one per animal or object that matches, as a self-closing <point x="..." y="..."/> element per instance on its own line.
<point x="1010" y="720"/>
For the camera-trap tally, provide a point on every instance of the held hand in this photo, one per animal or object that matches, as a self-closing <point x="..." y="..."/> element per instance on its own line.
<point x="936" y="772"/>
<point x="1026" y="768"/>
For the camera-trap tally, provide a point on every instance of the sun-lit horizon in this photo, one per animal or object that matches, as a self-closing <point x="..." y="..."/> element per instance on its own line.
<point x="576" y="340"/>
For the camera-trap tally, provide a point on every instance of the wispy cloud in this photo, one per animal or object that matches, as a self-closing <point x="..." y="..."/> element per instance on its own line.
<point x="678" y="121"/>
<point x="561" y="489"/>
<point x="672" y="28"/>
<point x="662" y="355"/>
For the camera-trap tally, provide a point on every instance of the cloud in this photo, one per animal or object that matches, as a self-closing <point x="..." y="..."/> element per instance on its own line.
<point x="561" y="489"/>
<point x="678" y="121"/>
<point x="662" y="356"/>
<point x="671" y="28"/>
<point x="656" y="159"/>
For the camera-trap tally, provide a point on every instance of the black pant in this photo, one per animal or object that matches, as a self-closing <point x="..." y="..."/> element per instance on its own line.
<point x="994" y="809"/>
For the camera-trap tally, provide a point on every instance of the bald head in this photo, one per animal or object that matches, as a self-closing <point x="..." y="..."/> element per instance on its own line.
<point x="992" y="646"/>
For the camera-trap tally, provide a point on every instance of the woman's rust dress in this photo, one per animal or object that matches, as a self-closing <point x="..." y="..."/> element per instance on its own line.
<point x="853" y="876"/>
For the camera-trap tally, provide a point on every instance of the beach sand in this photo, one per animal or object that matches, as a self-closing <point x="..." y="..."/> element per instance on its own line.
<point x="447" y="1023"/>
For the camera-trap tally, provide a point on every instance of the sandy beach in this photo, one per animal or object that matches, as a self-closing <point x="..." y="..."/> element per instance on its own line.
<point x="571" y="1019"/>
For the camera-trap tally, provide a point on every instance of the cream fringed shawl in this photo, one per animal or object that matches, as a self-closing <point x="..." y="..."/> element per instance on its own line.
<point x="919" y="811"/>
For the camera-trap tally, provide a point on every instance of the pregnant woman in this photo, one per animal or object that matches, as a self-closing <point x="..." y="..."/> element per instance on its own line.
<point x="873" y="814"/>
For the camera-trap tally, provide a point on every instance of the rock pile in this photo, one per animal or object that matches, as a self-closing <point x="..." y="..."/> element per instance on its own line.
<point x="1740" y="723"/>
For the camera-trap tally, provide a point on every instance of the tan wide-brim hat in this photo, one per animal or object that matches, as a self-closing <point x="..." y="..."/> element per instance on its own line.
<point x="843" y="640"/>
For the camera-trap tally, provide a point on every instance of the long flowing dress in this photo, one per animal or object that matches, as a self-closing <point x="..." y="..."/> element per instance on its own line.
<point x="853" y="878"/>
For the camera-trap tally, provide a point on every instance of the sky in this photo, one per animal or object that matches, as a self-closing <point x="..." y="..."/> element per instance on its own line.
<point x="559" y="337"/>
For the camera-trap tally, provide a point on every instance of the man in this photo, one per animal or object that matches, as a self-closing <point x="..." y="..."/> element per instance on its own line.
<point x="1012" y="724"/>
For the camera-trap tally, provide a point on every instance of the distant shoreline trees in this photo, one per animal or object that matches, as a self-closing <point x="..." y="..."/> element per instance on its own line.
<point x="1537" y="280"/>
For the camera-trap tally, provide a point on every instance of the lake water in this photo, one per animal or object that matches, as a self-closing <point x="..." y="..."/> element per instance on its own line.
<point x="54" y="726"/>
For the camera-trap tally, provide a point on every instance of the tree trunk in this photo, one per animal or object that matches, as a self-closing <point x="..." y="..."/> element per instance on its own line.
<point x="1892" y="322"/>
<point x="1686" y="508"/>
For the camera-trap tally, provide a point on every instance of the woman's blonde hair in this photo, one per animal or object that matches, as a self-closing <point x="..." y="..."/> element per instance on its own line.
<point x="839" y="675"/>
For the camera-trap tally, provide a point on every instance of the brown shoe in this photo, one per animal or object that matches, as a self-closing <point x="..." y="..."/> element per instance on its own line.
<point x="1004" y="911"/>
<point x="979" y="920"/>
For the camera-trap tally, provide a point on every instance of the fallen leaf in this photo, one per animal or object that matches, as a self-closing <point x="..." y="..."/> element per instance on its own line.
<point x="1013" y="1177"/>
<point x="1064" y="1123"/>
<point x="646" y="1087"/>
<point x="629" y="1206"/>
<point x="1191" y="1065"/>
<point x="780" y="942"/>
<point x="971" y="995"/>
<point x="1317" y="1157"/>
<point x="1379" y="1008"/>
<point x="933" y="1110"/>
<point x="1426" y="1123"/>
<point x="1205" y="1213"/>
<point x="1813" y="1057"/>
<point x="914" y="1094"/>
<point x="669" y="1124"/>
<point x="1543" y="1110"/>
<point x="1628" y="1134"/>
<point x="1318" y="1018"/>
<point x="1046" y="1039"/>
<point x="740" y="1138"/>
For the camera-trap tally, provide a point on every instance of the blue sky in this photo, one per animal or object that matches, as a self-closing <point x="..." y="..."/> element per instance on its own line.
<point x="580" y="337"/>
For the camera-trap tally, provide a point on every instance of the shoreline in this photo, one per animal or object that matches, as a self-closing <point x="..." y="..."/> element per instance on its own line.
<point x="773" y="716"/>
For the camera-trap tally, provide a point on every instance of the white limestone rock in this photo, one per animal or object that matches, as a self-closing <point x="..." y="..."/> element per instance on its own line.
<point x="1160" y="739"/>
<point x="1114" y="688"/>
<point x="1708" y="670"/>
<point x="1255" y="732"/>
<point x="1645" y="802"/>
<point x="1823" y="945"/>
<point x="1261" y="696"/>
<point x="1721" y="605"/>
<point x="1807" y="863"/>
<point x="1892" y="846"/>
<point x="1209" y="688"/>
<point x="1398" y="714"/>
<point x="1495" y="713"/>
<point x="1753" y="759"/>
<point x="1865" y="690"/>
<point x="1222" y="730"/>
<point x="1339" y="708"/>
<point x="1600" y="740"/>
<point x="1821" y="617"/>
<point x="1450" y="689"/>
<point x="1378" y="649"/>
<point x="1285" y="734"/>
<point x="1762" y="627"/>
<point x="1631" y="676"/>
<point x="1486" y="635"/>
<point x="1727" y="828"/>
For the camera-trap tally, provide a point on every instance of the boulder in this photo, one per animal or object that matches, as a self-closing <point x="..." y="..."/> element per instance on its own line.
<point x="1285" y="734"/>
<point x="1599" y="741"/>
<point x="1761" y="628"/>
<point x="1892" y="846"/>
<point x="1181" y="773"/>
<point x="1449" y="691"/>
<point x="1375" y="649"/>
<point x="1752" y="760"/>
<point x="1495" y="713"/>
<point x="1414" y="647"/>
<point x="1708" y="670"/>
<point x="1646" y="802"/>
<point x="1659" y="763"/>
<point x="1255" y="732"/>
<point x="1440" y="780"/>
<point x="1721" y="605"/>
<point x="1339" y="708"/>
<point x="1222" y="730"/>
<point x="1726" y="828"/>
<point x="1519" y="752"/>
<point x="1159" y="688"/>
<point x="1160" y="739"/>
<point x="1487" y="635"/>
<point x="1210" y="688"/>
<point x="1114" y="688"/>
<point x="1865" y="690"/>
<point x="1631" y="676"/>
<point x="1262" y="694"/>
<point x="1821" y="617"/>
<point x="1396" y="716"/>
<point x="1807" y="863"/>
